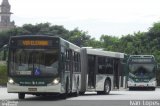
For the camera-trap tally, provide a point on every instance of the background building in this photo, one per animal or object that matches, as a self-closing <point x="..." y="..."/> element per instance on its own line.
<point x="5" y="14"/>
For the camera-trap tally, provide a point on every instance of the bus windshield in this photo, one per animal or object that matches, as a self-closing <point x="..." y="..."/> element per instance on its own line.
<point x="142" y="70"/>
<point x="34" y="62"/>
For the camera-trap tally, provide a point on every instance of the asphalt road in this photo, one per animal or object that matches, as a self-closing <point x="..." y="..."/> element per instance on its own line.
<point x="116" y="98"/>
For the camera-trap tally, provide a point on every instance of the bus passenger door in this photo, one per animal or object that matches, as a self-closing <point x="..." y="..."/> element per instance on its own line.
<point x="116" y="73"/>
<point x="91" y="71"/>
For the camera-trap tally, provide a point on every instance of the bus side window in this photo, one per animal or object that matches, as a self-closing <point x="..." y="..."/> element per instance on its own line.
<point x="105" y="65"/>
<point x="62" y="57"/>
<point x="101" y="65"/>
<point x="77" y="62"/>
<point x="70" y="60"/>
<point x="74" y="62"/>
<point x="62" y="61"/>
<point x="109" y="68"/>
<point x="66" y="60"/>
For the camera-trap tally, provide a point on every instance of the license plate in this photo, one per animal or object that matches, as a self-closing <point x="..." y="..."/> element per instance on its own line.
<point x="32" y="89"/>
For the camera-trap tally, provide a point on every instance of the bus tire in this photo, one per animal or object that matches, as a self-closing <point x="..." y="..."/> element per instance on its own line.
<point x="82" y="92"/>
<point x="100" y="92"/>
<point x="21" y="95"/>
<point x="153" y="88"/>
<point x="107" y="87"/>
<point x="130" y="88"/>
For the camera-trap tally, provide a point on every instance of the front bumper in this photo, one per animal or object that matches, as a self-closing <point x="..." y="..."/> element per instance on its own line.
<point x="13" y="88"/>
<point x="142" y="84"/>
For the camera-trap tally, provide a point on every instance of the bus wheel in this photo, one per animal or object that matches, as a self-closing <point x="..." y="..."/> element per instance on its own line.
<point x="153" y="88"/>
<point x="107" y="87"/>
<point x="100" y="92"/>
<point x="130" y="88"/>
<point x="82" y="93"/>
<point x="21" y="95"/>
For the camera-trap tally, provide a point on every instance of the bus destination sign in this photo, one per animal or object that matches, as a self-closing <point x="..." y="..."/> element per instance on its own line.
<point x="35" y="42"/>
<point x="141" y="60"/>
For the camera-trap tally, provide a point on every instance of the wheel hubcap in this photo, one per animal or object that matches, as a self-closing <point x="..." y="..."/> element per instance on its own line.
<point x="107" y="87"/>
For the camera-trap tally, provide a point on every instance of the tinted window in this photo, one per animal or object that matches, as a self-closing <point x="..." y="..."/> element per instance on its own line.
<point x="105" y="65"/>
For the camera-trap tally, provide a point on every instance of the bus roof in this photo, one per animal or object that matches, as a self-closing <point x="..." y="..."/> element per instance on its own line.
<point x="71" y="45"/>
<point x="105" y="53"/>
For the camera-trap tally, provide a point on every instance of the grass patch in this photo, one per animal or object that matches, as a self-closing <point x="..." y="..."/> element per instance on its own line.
<point x="3" y="74"/>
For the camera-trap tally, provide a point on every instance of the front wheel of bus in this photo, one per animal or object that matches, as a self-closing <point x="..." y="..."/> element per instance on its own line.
<point x="21" y="95"/>
<point x="107" y="87"/>
<point x="82" y="92"/>
<point x="153" y="88"/>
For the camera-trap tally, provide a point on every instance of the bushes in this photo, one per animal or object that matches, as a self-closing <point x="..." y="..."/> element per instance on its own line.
<point x="3" y="74"/>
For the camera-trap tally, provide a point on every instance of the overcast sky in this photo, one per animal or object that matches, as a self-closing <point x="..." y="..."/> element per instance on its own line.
<point x="111" y="17"/>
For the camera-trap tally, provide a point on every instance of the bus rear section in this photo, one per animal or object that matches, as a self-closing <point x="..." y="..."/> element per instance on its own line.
<point x="34" y="66"/>
<point x="142" y="72"/>
<point x="100" y="70"/>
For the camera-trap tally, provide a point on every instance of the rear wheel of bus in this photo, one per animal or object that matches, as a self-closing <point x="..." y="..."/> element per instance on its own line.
<point x="21" y="95"/>
<point x="131" y="88"/>
<point x="107" y="88"/>
<point x="153" y="88"/>
<point x="82" y="93"/>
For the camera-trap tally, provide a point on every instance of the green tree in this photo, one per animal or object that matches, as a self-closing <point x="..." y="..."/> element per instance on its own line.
<point x="110" y="43"/>
<point x="94" y="43"/>
<point x="78" y="37"/>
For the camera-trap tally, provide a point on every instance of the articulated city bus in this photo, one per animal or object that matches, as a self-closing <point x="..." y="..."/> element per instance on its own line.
<point x="100" y="70"/>
<point x="43" y="65"/>
<point x="142" y="71"/>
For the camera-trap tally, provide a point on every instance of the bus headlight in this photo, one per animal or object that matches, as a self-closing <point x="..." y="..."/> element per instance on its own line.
<point x="56" y="81"/>
<point x="153" y="79"/>
<point x="11" y="81"/>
